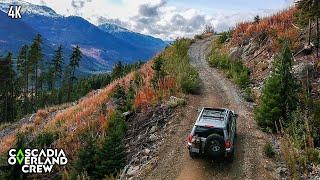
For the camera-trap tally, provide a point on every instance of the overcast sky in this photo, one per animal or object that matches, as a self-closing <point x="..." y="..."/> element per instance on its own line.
<point x="166" y="19"/>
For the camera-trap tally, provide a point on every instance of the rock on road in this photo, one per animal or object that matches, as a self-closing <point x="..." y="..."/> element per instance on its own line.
<point x="217" y="91"/>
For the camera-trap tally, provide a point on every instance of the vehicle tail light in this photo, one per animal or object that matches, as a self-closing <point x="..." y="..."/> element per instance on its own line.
<point x="227" y="144"/>
<point x="207" y="126"/>
<point x="190" y="138"/>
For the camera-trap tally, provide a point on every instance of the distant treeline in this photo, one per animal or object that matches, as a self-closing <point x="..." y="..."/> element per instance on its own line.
<point x="28" y="84"/>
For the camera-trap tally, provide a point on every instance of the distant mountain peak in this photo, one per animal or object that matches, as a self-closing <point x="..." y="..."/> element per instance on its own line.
<point x="28" y="8"/>
<point x="113" y="28"/>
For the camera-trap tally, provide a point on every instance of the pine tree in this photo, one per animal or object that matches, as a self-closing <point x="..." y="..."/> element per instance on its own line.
<point x="74" y="63"/>
<point x="279" y="94"/>
<point x="117" y="70"/>
<point x="159" y="72"/>
<point x="23" y="68"/>
<point x="257" y="19"/>
<point x="65" y="87"/>
<point x="111" y="156"/>
<point x="35" y="57"/>
<point x="57" y="64"/>
<point x="8" y="90"/>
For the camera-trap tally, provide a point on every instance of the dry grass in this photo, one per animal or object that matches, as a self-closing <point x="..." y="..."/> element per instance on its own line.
<point x="4" y="125"/>
<point x="87" y="116"/>
<point x="40" y="116"/>
<point x="7" y="143"/>
<point x="278" y="26"/>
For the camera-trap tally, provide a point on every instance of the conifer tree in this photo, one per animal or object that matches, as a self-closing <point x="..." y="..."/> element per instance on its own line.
<point x="7" y="74"/>
<point x="74" y="63"/>
<point x="57" y="65"/>
<point x="112" y="153"/>
<point x="35" y="57"/>
<point x="23" y="68"/>
<point x="279" y="94"/>
<point x="159" y="72"/>
<point x="117" y="70"/>
<point x="257" y="19"/>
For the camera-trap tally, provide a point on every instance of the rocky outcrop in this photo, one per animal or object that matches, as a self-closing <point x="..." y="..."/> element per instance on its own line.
<point x="146" y="132"/>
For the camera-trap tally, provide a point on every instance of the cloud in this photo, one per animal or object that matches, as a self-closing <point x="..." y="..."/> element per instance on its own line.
<point x="158" y="18"/>
<point x="149" y="10"/>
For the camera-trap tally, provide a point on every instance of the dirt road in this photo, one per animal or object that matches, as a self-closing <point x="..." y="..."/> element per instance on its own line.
<point x="217" y="91"/>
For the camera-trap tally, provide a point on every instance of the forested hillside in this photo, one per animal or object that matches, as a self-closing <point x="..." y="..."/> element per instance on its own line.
<point x="93" y="127"/>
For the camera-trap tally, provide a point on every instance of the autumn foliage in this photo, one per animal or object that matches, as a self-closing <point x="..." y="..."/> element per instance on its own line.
<point x="278" y="26"/>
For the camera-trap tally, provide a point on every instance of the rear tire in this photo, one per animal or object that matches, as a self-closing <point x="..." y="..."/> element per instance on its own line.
<point x="214" y="147"/>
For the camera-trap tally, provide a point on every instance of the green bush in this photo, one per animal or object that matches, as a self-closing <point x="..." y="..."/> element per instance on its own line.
<point x="177" y="65"/>
<point x="268" y="150"/>
<point x="248" y="94"/>
<point x="224" y="36"/>
<point x="190" y="82"/>
<point x="234" y="68"/>
<point x="313" y="156"/>
<point x="198" y="36"/>
<point x="242" y="78"/>
<point x="45" y="139"/>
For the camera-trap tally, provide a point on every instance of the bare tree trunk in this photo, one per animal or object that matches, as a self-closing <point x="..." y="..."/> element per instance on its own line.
<point x="36" y="83"/>
<point x="309" y="38"/>
<point x="318" y="40"/>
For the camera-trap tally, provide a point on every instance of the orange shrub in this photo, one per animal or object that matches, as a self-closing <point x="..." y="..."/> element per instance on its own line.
<point x="145" y="97"/>
<point x="40" y="116"/>
<point x="279" y="25"/>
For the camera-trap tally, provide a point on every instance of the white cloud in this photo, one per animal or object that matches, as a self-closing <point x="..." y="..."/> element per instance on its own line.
<point x="153" y="17"/>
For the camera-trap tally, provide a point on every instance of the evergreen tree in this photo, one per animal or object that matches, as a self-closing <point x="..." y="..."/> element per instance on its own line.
<point x="279" y="94"/>
<point x="86" y="161"/>
<point x="117" y="70"/>
<point x="64" y="89"/>
<point x="35" y="57"/>
<point x="111" y="156"/>
<point x="159" y="72"/>
<point x="257" y="19"/>
<point x="57" y="64"/>
<point x="23" y="68"/>
<point x="8" y="91"/>
<point x="74" y="63"/>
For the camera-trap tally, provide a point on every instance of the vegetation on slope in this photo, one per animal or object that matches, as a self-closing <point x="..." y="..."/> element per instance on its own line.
<point x="279" y="94"/>
<point x="32" y="85"/>
<point x="234" y="69"/>
<point x="278" y="26"/>
<point x="95" y="125"/>
<point x="287" y="105"/>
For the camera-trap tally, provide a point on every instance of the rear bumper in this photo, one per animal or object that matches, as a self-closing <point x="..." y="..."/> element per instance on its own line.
<point x="190" y="145"/>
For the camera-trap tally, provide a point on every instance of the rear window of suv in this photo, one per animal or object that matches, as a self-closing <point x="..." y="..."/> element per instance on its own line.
<point x="206" y="131"/>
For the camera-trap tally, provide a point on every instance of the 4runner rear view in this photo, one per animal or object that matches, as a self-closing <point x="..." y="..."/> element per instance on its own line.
<point x="213" y="134"/>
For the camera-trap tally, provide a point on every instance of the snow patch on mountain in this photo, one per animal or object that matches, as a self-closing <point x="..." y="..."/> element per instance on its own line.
<point x="28" y="8"/>
<point x="113" y="28"/>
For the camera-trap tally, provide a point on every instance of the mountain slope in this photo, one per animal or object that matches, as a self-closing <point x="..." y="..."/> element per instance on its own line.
<point x="148" y="43"/>
<point x="101" y="48"/>
<point x="11" y="34"/>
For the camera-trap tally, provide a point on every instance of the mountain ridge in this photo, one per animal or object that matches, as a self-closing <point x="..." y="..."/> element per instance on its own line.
<point x="102" y="47"/>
